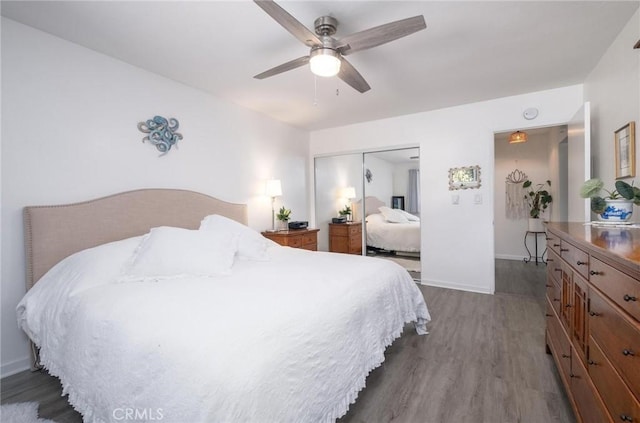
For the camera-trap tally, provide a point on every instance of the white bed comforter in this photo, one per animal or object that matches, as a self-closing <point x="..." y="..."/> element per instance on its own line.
<point x="392" y="236"/>
<point x="286" y="340"/>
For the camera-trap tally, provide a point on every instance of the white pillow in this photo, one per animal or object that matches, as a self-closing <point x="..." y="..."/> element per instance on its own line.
<point x="251" y="244"/>
<point x="167" y="252"/>
<point x="393" y="215"/>
<point x="409" y="216"/>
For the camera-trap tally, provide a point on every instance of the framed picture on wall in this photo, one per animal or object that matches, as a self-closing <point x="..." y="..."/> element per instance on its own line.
<point x="625" y="151"/>
<point x="397" y="202"/>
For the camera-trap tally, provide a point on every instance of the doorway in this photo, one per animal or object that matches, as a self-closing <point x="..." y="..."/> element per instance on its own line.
<point x="519" y="253"/>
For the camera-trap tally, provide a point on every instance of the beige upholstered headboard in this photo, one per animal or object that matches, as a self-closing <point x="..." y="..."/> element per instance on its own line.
<point x="55" y="232"/>
<point x="371" y="205"/>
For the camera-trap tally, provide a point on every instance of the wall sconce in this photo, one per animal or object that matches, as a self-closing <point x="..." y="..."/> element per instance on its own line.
<point x="518" y="137"/>
<point x="273" y="189"/>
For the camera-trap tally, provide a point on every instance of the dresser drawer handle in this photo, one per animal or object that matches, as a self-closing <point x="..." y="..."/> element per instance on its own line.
<point x="581" y="263"/>
<point x="549" y="286"/>
<point x="574" y="376"/>
<point x="556" y="245"/>
<point x="628" y="297"/>
<point x="549" y="315"/>
<point x="567" y="305"/>
<point x="556" y="299"/>
<point x="628" y="353"/>
<point x="564" y="249"/>
<point x="591" y="363"/>
<point x="593" y="314"/>
<point x="550" y="260"/>
<point x="626" y="418"/>
<point x="548" y="239"/>
<point x="594" y="273"/>
<point x="557" y="270"/>
<point x="565" y="356"/>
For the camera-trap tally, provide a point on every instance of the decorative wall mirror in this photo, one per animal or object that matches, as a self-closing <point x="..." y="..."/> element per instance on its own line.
<point x="464" y="177"/>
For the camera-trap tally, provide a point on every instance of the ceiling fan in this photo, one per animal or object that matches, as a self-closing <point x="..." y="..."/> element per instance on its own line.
<point x="326" y="57"/>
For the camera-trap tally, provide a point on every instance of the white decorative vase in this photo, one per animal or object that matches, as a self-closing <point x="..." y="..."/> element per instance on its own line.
<point x="535" y="224"/>
<point x="283" y="225"/>
<point x="617" y="211"/>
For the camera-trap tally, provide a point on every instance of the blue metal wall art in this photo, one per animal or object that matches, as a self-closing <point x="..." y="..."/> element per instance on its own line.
<point x="162" y="133"/>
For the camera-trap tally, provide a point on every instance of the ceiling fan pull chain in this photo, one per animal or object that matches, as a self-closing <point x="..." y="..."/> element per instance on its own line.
<point x="315" y="90"/>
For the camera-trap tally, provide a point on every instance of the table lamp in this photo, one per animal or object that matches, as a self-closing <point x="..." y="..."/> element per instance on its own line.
<point x="273" y="189"/>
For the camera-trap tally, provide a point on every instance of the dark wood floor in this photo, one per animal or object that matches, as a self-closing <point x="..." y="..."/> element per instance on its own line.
<point x="484" y="361"/>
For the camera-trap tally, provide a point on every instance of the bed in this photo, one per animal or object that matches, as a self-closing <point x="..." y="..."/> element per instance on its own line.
<point x="279" y="335"/>
<point x="386" y="233"/>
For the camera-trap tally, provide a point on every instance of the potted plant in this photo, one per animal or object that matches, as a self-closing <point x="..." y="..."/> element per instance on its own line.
<point x="283" y="217"/>
<point x="617" y="205"/>
<point x="346" y="212"/>
<point x="538" y="199"/>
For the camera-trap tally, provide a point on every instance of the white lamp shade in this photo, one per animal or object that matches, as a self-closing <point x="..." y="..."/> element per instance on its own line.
<point x="349" y="192"/>
<point x="324" y="62"/>
<point x="273" y="188"/>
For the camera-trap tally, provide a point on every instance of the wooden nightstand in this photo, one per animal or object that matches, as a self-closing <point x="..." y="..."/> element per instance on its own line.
<point x="298" y="238"/>
<point x="345" y="237"/>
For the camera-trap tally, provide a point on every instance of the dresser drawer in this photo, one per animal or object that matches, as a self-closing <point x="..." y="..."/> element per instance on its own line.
<point x="294" y="241"/>
<point x="560" y="345"/>
<point x="309" y="239"/>
<point x="553" y="295"/>
<point x="575" y="257"/>
<point x="618" y="286"/>
<point x="553" y="242"/>
<point x="589" y="402"/>
<point x="618" y="338"/>
<point x="355" y="230"/>
<point x="341" y="229"/>
<point x="618" y="399"/>
<point x="554" y="268"/>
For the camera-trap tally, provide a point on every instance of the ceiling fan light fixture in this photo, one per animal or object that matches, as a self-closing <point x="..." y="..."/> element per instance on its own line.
<point x="324" y="62"/>
<point x="517" y="137"/>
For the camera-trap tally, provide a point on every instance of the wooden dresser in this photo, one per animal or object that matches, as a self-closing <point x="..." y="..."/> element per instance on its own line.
<point x="345" y="237"/>
<point x="593" y="318"/>
<point x="298" y="238"/>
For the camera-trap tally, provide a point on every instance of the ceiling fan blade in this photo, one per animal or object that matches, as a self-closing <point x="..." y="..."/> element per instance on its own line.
<point x="289" y="23"/>
<point x="296" y="63"/>
<point x="352" y="77"/>
<point x="379" y="35"/>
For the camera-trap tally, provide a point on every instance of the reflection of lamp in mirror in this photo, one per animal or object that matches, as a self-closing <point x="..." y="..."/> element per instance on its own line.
<point x="349" y="193"/>
<point x="273" y="189"/>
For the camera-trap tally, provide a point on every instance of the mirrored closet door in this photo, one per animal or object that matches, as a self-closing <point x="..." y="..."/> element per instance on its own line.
<point x="369" y="203"/>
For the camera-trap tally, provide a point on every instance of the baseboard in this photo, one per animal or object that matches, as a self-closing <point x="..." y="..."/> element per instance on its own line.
<point x="457" y="286"/>
<point x="510" y="257"/>
<point x="16" y="366"/>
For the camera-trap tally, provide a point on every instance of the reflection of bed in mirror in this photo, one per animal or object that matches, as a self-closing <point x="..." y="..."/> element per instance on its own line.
<point x="391" y="230"/>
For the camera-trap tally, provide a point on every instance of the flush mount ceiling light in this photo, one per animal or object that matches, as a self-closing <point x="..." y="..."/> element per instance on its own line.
<point x="518" y="137"/>
<point x="324" y="62"/>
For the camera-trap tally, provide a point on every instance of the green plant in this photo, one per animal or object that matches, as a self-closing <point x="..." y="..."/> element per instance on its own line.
<point x="538" y="198"/>
<point x="284" y="214"/>
<point x="592" y="188"/>
<point x="345" y="212"/>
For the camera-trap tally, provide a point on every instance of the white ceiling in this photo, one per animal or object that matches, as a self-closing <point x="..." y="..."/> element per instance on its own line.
<point x="471" y="51"/>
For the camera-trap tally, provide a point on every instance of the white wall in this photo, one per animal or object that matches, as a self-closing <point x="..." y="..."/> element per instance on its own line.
<point x="69" y="133"/>
<point x="613" y="88"/>
<point x="532" y="158"/>
<point x="457" y="240"/>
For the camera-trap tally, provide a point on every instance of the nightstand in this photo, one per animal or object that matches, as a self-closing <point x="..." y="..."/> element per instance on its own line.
<point x="296" y="238"/>
<point x="345" y="237"/>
